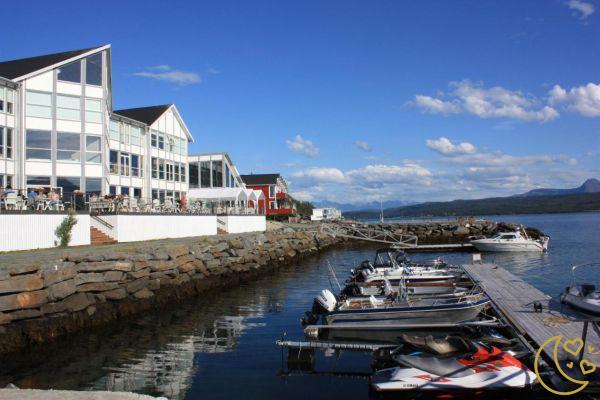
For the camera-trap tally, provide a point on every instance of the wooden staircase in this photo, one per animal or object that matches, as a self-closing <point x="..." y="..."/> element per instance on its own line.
<point x="98" y="237"/>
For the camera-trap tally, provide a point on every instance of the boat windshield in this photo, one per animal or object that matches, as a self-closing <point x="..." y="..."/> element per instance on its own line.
<point x="388" y="257"/>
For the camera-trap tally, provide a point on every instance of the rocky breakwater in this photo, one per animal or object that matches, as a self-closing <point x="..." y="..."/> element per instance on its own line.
<point x="450" y="232"/>
<point x="41" y="300"/>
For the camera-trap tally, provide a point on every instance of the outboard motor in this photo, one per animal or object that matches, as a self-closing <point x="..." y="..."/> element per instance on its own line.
<point x="325" y="302"/>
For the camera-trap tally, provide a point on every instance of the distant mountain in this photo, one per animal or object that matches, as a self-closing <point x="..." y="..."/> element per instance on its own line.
<point x="589" y="186"/>
<point x="578" y="202"/>
<point x="372" y="206"/>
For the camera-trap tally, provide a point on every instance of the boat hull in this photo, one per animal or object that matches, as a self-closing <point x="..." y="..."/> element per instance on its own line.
<point x="488" y="246"/>
<point x="384" y="317"/>
<point x="579" y="303"/>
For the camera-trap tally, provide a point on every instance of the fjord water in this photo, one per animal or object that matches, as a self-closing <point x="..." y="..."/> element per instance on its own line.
<point x="222" y="345"/>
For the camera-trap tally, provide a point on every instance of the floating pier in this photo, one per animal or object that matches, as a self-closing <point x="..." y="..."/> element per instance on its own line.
<point x="514" y="299"/>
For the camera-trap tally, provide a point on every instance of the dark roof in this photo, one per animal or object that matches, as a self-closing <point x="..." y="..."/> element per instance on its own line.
<point x="146" y="115"/>
<point x="260" y="179"/>
<point x="16" y="68"/>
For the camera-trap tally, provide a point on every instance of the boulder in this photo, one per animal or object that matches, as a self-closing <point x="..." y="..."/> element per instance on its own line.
<point x="63" y="289"/>
<point x="21" y="283"/>
<point x="23" y="300"/>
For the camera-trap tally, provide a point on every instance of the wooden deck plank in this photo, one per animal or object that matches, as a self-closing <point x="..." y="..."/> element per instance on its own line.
<point x="514" y="298"/>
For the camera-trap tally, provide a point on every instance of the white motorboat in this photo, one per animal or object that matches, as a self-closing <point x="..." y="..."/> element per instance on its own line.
<point x="583" y="297"/>
<point x="512" y="241"/>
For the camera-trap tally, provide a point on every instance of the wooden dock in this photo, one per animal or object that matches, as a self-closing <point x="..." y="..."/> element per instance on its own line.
<point x="514" y="298"/>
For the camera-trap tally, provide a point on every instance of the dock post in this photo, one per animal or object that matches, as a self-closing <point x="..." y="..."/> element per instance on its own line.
<point x="584" y="338"/>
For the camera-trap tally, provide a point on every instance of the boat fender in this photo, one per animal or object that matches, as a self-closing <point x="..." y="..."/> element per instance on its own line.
<point x="326" y="300"/>
<point x="537" y="307"/>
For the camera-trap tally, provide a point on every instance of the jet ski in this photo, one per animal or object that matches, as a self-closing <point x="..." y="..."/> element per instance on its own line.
<point x="483" y="367"/>
<point x="582" y="297"/>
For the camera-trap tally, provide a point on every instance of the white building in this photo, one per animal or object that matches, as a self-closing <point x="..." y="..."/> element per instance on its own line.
<point x="58" y="129"/>
<point x="325" y="214"/>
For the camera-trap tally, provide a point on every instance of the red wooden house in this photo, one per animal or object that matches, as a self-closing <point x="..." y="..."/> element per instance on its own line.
<point x="276" y="202"/>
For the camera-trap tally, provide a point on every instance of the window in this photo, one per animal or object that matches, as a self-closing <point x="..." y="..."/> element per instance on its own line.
<point x="137" y="193"/>
<point x="169" y="172"/>
<point x="272" y="191"/>
<point x="38" y="181"/>
<point x="154" y="167"/>
<point x="176" y="175"/>
<point x="182" y="172"/>
<point x="112" y="190"/>
<point x="113" y="164"/>
<point x="155" y="194"/>
<point x="68" y="184"/>
<point x="39" y="105"/>
<point x="161" y="169"/>
<point x="136" y="163"/>
<point x="93" y="152"/>
<point x="1" y="141"/>
<point x="217" y="174"/>
<point x="9" y="142"/>
<point x="125" y="163"/>
<point x="205" y="174"/>
<point x="93" y="69"/>
<point x="2" y="91"/>
<point x="70" y="72"/>
<point x="93" y="110"/>
<point x="38" y="145"/>
<point x="124" y="191"/>
<point x="135" y="135"/>
<point x="272" y="205"/>
<point x="68" y="107"/>
<point x="8" y="100"/>
<point x="154" y="138"/>
<point x="68" y="147"/>
<point x="227" y="175"/>
<point x="171" y="144"/>
<point x="113" y="129"/>
<point x="6" y="181"/>
<point x="193" y="175"/>
<point x="161" y="141"/>
<point x="124" y="134"/>
<point x="93" y="185"/>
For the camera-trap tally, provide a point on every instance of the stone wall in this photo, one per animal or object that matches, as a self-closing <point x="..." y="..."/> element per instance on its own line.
<point x="42" y="300"/>
<point x="453" y="231"/>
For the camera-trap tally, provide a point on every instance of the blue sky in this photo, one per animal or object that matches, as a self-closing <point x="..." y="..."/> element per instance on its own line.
<point x="357" y="101"/>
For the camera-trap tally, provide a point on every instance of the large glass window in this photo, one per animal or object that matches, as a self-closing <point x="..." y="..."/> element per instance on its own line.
<point x="68" y="146"/>
<point x="68" y="107"/>
<point x="93" y="151"/>
<point x="39" y="105"/>
<point x="161" y="141"/>
<point x="114" y="130"/>
<point x="38" y="181"/>
<point x="9" y="142"/>
<point x="161" y="169"/>
<point x="38" y="145"/>
<point x="154" y="167"/>
<point x="136" y="162"/>
<point x="154" y="138"/>
<point x="137" y="193"/>
<point x="176" y="172"/>
<point x="217" y="174"/>
<point x="68" y="184"/>
<point x="93" y="69"/>
<point x="205" y="174"/>
<point x="93" y="110"/>
<point x="135" y="135"/>
<point x="70" y="72"/>
<point x="169" y="168"/>
<point x="113" y="164"/>
<point x="182" y="172"/>
<point x="93" y="185"/>
<point x="125" y="164"/>
<point x="193" y="175"/>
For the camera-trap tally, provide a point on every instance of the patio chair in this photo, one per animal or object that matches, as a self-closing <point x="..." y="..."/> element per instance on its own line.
<point x="142" y="205"/>
<point x="133" y="204"/>
<point x="156" y="205"/>
<point x="10" y="202"/>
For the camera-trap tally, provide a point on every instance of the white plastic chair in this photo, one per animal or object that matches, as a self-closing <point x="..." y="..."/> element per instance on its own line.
<point x="10" y="202"/>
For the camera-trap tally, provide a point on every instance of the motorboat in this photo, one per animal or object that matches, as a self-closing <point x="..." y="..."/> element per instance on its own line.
<point x="385" y="288"/>
<point x="376" y="312"/>
<point x="582" y="297"/>
<point x="512" y="241"/>
<point x="483" y="367"/>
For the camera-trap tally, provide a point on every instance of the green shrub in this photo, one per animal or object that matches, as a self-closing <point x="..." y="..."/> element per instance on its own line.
<point x="63" y="231"/>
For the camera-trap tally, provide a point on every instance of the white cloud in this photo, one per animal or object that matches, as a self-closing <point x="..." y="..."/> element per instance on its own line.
<point x="362" y="145"/>
<point x="168" y="74"/>
<point x="303" y="146"/>
<point x="466" y="97"/>
<point x="582" y="99"/>
<point x="318" y="174"/>
<point x="390" y="174"/>
<point x="445" y="147"/>
<point x="581" y="8"/>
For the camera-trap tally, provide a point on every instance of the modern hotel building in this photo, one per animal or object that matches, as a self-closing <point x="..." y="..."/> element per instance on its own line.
<point x="58" y="129"/>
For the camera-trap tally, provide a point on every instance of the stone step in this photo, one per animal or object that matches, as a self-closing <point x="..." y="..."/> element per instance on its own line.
<point x="97" y="237"/>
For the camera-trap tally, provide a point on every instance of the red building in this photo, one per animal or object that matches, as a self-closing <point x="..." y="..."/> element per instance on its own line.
<point x="276" y="202"/>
